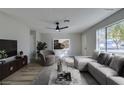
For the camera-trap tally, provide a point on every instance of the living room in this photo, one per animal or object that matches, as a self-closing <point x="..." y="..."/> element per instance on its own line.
<point x="27" y="27"/>
<point x="30" y="26"/>
<point x="60" y="44"/>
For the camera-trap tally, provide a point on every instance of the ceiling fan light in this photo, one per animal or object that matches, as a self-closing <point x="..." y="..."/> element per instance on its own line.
<point x="57" y="30"/>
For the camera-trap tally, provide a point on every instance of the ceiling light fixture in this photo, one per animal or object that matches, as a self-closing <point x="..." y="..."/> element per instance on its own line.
<point x="57" y="30"/>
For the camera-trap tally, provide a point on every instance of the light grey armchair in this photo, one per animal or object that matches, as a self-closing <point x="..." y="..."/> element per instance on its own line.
<point x="47" y="57"/>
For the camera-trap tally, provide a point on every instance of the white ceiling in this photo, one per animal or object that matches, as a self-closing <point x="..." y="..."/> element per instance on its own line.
<point x="42" y="18"/>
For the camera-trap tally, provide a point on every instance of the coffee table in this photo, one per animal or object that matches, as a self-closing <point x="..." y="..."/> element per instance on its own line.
<point x="75" y="76"/>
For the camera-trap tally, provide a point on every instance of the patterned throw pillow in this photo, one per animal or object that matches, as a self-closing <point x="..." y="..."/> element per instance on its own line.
<point x="101" y="58"/>
<point x="108" y="59"/>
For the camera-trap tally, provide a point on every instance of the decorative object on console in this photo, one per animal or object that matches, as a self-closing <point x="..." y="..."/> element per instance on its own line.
<point x="20" y="55"/>
<point x="3" y="55"/>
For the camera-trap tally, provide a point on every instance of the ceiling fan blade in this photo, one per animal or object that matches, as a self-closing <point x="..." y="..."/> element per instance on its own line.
<point x="50" y="28"/>
<point x="64" y="27"/>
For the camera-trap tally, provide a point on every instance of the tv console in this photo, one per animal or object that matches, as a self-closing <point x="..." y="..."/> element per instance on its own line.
<point x="7" y="68"/>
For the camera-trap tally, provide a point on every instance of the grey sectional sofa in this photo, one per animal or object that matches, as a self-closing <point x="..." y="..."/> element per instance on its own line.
<point x="103" y="67"/>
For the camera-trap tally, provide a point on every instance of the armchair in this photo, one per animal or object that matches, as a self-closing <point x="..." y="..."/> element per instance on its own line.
<point x="47" y="57"/>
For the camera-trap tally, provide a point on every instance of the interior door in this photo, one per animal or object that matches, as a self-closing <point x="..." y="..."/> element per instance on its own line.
<point x="32" y="45"/>
<point x="84" y="45"/>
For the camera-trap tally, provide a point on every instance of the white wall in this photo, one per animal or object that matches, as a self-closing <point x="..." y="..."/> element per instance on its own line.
<point x="91" y="32"/>
<point x="12" y="29"/>
<point x="75" y="41"/>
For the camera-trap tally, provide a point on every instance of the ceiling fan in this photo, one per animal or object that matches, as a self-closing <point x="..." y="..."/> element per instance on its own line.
<point x="58" y="28"/>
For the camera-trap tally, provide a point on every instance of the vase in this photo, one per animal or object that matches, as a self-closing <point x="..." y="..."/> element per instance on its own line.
<point x="3" y="60"/>
<point x="59" y="66"/>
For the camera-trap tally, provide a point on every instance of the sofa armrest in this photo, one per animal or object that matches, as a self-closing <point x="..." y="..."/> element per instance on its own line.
<point x="81" y="62"/>
<point x="87" y="56"/>
<point x="115" y="80"/>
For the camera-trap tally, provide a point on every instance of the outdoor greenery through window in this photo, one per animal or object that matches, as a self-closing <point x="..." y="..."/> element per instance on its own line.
<point x="111" y="38"/>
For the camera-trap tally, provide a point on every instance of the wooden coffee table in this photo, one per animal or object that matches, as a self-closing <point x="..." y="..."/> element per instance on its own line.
<point x="75" y="75"/>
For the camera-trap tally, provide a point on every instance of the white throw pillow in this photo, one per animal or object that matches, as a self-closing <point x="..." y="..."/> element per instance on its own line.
<point x="95" y="54"/>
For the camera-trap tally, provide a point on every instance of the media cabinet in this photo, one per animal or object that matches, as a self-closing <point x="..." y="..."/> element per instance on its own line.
<point x="7" y="68"/>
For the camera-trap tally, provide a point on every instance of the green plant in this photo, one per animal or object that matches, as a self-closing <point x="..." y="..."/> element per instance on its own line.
<point x="41" y="46"/>
<point x="3" y="54"/>
<point x="117" y="34"/>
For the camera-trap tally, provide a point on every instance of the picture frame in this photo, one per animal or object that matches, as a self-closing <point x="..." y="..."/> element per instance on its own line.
<point x="61" y="44"/>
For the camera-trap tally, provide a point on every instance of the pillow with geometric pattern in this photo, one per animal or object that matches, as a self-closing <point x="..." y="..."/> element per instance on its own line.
<point x="101" y="58"/>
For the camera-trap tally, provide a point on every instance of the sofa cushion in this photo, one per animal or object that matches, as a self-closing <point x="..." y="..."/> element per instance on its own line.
<point x="93" y="69"/>
<point x="100" y="72"/>
<point x="117" y="62"/>
<point x="115" y="80"/>
<point x="95" y="64"/>
<point x="101" y="58"/>
<point x="108" y="71"/>
<point x="104" y="69"/>
<point x="81" y="62"/>
<point x="121" y="71"/>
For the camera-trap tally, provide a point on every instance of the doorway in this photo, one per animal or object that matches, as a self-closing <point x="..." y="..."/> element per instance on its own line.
<point x="84" y="45"/>
<point x="32" y="45"/>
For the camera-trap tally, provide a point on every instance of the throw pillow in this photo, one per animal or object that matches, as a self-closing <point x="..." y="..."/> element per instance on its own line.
<point x="95" y="55"/>
<point x="117" y="62"/>
<point x="101" y="58"/>
<point x="108" y="59"/>
<point x="121" y="70"/>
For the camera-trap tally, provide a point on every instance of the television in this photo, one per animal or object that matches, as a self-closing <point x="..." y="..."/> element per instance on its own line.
<point x="10" y="46"/>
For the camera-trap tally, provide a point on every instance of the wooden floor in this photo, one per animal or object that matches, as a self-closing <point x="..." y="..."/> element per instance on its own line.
<point x="24" y="76"/>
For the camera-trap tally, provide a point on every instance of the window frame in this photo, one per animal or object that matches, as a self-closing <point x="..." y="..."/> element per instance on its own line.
<point x="105" y="29"/>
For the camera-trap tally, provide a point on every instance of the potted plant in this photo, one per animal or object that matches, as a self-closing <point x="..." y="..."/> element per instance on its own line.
<point x="3" y="55"/>
<point x="41" y="46"/>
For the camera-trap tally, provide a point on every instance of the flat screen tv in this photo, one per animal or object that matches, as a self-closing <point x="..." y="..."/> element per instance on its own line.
<point x="10" y="46"/>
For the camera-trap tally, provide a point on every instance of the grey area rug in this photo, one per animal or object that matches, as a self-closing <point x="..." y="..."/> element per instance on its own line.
<point x="43" y="77"/>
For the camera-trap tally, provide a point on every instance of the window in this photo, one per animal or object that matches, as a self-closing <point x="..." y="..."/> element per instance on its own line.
<point x="100" y="37"/>
<point x="111" y="38"/>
